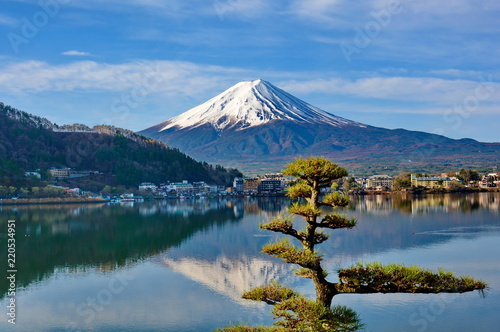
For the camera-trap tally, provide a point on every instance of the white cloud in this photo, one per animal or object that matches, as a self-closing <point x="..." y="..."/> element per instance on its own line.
<point x="317" y="10"/>
<point x="413" y="89"/>
<point x="407" y="109"/>
<point x="423" y="16"/>
<point x="165" y="77"/>
<point x="222" y="8"/>
<point x="149" y="4"/>
<point x="330" y="40"/>
<point x="457" y="73"/>
<point x="76" y="53"/>
<point x="189" y="79"/>
<point x="174" y="80"/>
<point x="444" y="8"/>
<point x="241" y="8"/>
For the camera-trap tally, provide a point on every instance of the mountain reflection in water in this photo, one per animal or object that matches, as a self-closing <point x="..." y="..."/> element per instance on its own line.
<point x="215" y="244"/>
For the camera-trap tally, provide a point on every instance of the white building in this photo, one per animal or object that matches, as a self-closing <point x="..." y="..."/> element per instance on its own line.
<point x="431" y="182"/>
<point x="147" y="187"/>
<point x="61" y="173"/>
<point x="490" y="180"/>
<point x="183" y="187"/>
<point x="34" y="174"/>
<point x="238" y="184"/>
<point x="379" y="182"/>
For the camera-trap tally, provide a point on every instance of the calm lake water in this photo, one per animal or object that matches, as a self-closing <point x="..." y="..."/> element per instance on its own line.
<point x="183" y="265"/>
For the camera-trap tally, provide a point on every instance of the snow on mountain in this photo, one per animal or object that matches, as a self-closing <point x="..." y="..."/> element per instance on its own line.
<point x="252" y="103"/>
<point x="256" y="126"/>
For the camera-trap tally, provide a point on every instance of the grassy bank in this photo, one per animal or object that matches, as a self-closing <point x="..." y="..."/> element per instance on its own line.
<point x="62" y="200"/>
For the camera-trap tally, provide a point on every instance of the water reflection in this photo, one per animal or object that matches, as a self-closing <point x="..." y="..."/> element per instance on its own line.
<point x="418" y="204"/>
<point x="229" y="276"/>
<point x="104" y="236"/>
<point x="108" y="236"/>
<point x="388" y="222"/>
<point x="178" y="250"/>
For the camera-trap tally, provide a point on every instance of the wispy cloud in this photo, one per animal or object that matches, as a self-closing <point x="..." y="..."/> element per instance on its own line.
<point x="329" y="40"/>
<point x="413" y="89"/>
<point x="226" y="9"/>
<point x="8" y="21"/>
<point x="76" y="53"/>
<point x="222" y="8"/>
<point x="190" y="79"/>
<point x="317" y="10"/>
<point x="171" y="5"/>
<point x="457" y="73"/>
<point x="176" y="77"/>
<point x="450" y="7"/>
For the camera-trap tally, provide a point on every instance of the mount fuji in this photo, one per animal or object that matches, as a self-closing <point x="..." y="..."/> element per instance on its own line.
<point x="258" y="127"/>
<point x="250" y="104"/>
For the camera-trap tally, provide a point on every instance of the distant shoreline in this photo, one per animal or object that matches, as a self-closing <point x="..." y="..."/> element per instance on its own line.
<point x="38" y="201"/>
<point x="426" y="191"/>
<point x="82" y="200"/>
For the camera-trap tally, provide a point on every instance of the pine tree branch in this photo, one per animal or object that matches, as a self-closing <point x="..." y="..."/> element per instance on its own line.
<point x="270" y="294"/>
<point x="305" y="210"/>
<point x="290" y="254"/>
<point x="337" y="221"/>
<point x="282" y="225"/>
<point x="296" y="313"/>
<point x="300" y="314"/>
<point x="241" y="328"/>
<point x="394" y="278"/>
<point x="299" y="190"/>
<point x="315" y="169"/>
<point x="335" y="199"/>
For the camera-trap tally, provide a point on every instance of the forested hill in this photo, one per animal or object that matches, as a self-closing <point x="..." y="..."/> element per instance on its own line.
<point x="29" y="142"/>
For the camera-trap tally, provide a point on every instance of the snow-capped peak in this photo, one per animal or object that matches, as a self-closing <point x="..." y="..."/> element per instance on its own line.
<point x="252" y="103"/>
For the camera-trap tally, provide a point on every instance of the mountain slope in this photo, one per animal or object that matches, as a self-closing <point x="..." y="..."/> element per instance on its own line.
<point x="257" y="126"/>
<point x="29" y="142"/>
<point x="249" y="104"/>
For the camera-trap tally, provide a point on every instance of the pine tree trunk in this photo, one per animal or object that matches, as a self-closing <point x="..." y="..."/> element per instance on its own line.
<point x="324" y="290"/>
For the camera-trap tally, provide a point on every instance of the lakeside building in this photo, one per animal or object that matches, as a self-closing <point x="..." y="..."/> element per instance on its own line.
<point x="239" y="184"/>
<point x="272" y="183"/>
<point x="269" y="183"/>
<point x="148" y="187"/>
<point x="61" y="173"/>
<point x="203" y="188"/>
<point x="379" y="182"/>
<point x="270" y="186"/>
<point x="251" y="185"/>
<point x="66" y="173"/>
<point x="75" y="191"/>
<point x="431" y="182"/>
<point x="274" y="176"/>
<point x="491" y="180"/>
<point x="82" y="173"/>
<point x="179" y="188"/>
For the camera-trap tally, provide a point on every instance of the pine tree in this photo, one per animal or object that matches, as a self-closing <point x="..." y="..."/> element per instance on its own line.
<point x="313" y="174"/>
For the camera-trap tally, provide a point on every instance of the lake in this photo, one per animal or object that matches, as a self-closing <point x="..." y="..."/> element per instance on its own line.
<point x="182" y="265"/>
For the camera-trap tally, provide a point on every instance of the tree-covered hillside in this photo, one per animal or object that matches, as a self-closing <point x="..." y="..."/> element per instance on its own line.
<point x="29" y="142"/>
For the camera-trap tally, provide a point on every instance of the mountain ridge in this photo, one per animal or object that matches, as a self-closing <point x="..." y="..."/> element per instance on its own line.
<point x="29" y="142"/>
<point x="219" y="130"/>
<point x="248" y="104"/>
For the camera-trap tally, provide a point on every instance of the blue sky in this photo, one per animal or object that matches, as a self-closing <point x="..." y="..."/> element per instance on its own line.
<point x="421" y="65"/>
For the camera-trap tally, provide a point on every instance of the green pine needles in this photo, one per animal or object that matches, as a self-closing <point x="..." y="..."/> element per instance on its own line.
<point x="396" y="278"/>
<point x="295" y="312"/>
